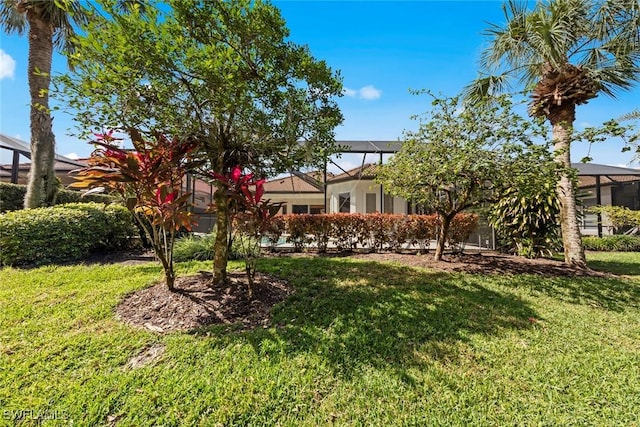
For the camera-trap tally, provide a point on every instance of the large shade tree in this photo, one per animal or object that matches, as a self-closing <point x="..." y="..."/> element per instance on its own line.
<point x="49" y="25"/>
<point x="565" y="52"/>
<point x="222" y="72"/>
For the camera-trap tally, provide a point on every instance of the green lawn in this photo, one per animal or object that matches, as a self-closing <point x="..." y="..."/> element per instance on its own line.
<point x="359" y="343"/>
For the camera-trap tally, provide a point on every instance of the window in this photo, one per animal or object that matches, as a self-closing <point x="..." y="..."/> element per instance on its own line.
<point x="371" y="203"/>
<point x="316" y="209"/>
<point x="284" y="209"/>
<point x="388" y="203"/>
<point x="344" y="202"/>
<point x="300" y="209"/>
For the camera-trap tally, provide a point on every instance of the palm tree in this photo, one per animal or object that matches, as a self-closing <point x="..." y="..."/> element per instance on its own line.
<point x="49" y="24"/>
<point x="565" y="52"/>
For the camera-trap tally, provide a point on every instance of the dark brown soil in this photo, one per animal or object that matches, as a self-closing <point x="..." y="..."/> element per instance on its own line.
<point x="195" y="304"/>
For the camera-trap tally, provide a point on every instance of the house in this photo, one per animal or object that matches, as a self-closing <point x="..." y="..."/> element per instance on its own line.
<point x="606" y="186"/>
<point x="351" y="191"/>
<point x="299" y="192"/>
<point x="355" y="191"/>
<point x="17" y="173"/>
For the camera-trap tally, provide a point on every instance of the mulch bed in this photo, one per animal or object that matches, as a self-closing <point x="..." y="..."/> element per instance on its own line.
<point x="196" y="304"/>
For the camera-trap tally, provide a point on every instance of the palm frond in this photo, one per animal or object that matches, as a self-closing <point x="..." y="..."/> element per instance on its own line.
<point x="484" y="87"/>
<point x="634" y="115"/>
<point x="11" y="20"/>
<point x="600" y="39"/>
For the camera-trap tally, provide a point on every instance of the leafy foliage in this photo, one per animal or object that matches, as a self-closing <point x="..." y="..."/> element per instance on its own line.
<point x="223" y="72"/>
<point x="527" y="215"/>
<point x="12" y="197"/>
<point x="620" y="217"/>
<point x="563" y="53"/>
<point x="62" y="233"/>
<point x="368" y="231"/>
<point x="618" y="243"/>
<point x="461" y="157"/>
<point x="149" y="179"/>
<point x="249" y="212"/>
<point x="49" y="24"/>
<point x="200" y="248"/>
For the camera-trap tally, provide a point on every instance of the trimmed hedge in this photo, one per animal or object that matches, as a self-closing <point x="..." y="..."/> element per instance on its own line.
<point x="62" y="233"/>
<point x="12" y="197"/>
<point x="64" y="197"/>
<point x="369" y="231"/>
<point x="616" y="243"/>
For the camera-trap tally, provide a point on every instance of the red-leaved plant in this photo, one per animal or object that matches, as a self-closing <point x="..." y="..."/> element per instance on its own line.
<point x="149" y="179"/>
<point x="250" y="214"/>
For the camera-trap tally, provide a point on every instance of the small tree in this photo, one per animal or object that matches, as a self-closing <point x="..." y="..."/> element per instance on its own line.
<point x="149" y="179"/>
<point x="249" y="212"/>
<point x="460" y="157"/>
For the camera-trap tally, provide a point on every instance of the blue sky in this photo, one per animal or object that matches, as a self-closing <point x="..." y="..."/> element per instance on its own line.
<point x="382" y="49"/>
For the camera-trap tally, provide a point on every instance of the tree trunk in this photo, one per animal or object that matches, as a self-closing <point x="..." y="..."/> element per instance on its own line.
<point x="221" y="248"/>
<point x="41" y="187"/>
<point x="169" y="273"/>
<point x="562" y="122"/>
<point x="445" y="222"/>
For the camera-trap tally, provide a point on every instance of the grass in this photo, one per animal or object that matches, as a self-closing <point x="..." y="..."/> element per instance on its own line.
<point x="359" y="343"/>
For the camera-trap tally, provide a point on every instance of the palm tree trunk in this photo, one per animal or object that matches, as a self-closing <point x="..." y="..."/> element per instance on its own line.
<point x="41" y="187"/>
<point x="571" y="237"/>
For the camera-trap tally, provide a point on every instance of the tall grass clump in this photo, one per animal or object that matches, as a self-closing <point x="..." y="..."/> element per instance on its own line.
<point x="200" y="248"/>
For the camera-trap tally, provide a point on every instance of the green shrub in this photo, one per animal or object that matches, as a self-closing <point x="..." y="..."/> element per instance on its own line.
<point x="617" y="243"/>
<point x="200" y="248"/>
<point x="11" y="196"/>
<point x="377" y="231"/>
<point x="64" y="197"/>
<point x="62" y="233"/>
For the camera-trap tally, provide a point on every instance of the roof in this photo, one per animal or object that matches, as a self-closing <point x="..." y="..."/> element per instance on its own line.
<point x="593" y="169"/>
<point x="367" y="171"/>
<point x="15" y="144"/>
<point x="385" y="147"/>
<point x="608" y="174"/>
<point x="295" y="183"/>
<point x="23" y="168"/>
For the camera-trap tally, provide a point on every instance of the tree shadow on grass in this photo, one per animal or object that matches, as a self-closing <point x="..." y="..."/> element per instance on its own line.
<point x="359" y="314"/>
<point x="611" y="293"/>
<point x="616" y="267"/>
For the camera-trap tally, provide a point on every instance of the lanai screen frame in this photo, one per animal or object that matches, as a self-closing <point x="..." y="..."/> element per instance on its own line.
<point x="391" y="147"/>
<point x="361" y="147"/>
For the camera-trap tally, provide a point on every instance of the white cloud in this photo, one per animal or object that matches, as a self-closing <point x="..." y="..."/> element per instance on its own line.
<point x="7" y="65"/>
<point x="349" y="92"/>
<point x="73" y="156"/>
<point x="368" y="93"/>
